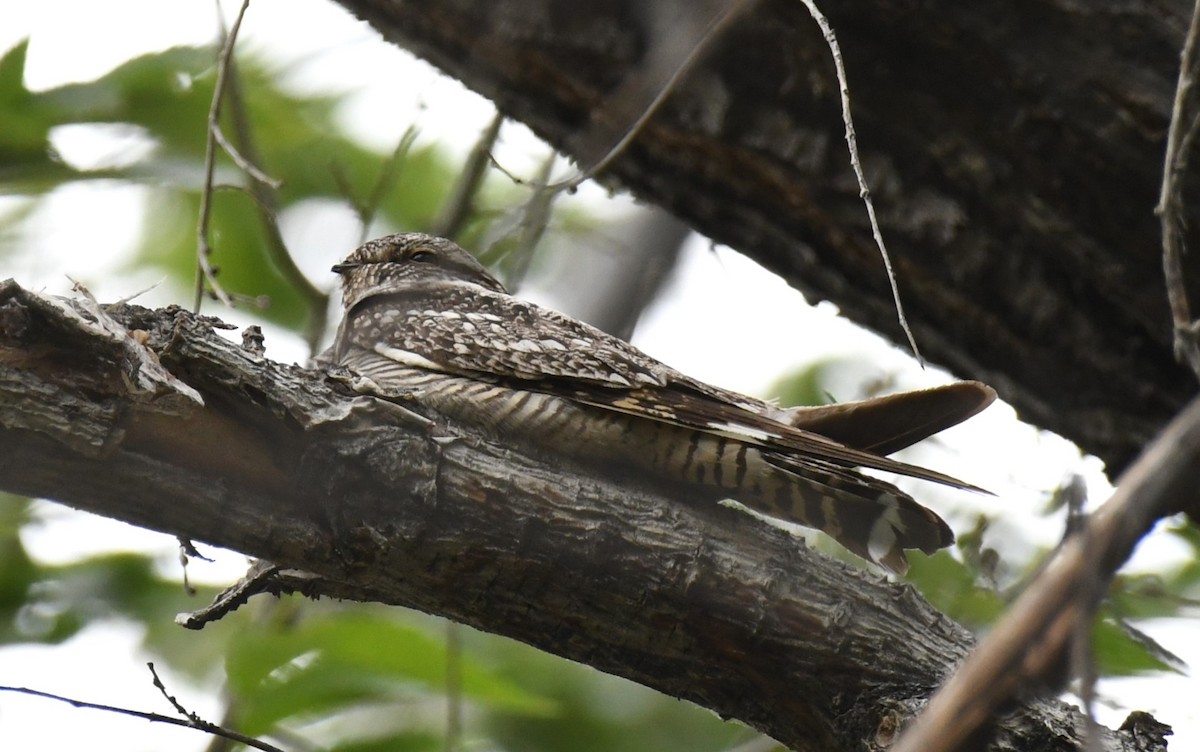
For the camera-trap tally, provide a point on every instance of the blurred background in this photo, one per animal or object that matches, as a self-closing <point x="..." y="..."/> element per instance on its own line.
<point x="103" y="111"/>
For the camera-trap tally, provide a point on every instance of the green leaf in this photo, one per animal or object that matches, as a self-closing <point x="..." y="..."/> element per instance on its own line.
<point x="402" y="742"/>
<point x="805" y="386"/>
<point x="597" y="712"/>
<point x="1121" y="650"/>
<point x="952" y="587"/>
<point x="335" y="661"/>
<point x="24" y="123"/>
<point x="17" y="570"/>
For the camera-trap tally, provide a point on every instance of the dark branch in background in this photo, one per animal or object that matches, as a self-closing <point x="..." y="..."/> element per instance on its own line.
<point x="1027" y="647"/>
<point x="365" y="499"/>
<point x="191" y="721"/>
<point x="1170" y="208"/>
<point x="674" y="50"/>
<point x="1015" y="203"/>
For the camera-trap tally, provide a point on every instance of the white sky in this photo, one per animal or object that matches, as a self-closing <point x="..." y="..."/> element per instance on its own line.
<point x="717" y="294"/>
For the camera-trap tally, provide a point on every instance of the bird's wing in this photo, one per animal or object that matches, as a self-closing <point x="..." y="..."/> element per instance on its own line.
<point x="494" y="336"/>
<point x="890" y="423"/>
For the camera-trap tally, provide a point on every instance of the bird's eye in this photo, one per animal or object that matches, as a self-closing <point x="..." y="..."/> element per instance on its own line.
<point x="423" y="257"/>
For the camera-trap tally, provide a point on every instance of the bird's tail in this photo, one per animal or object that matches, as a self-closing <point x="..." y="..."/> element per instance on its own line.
<point x="871" y="518"/>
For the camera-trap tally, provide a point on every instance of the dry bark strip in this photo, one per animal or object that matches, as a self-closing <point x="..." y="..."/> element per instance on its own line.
<point x="153" y="418"/>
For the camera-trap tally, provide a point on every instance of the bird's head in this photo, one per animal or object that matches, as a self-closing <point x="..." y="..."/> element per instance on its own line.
<point x="395" y="262"/>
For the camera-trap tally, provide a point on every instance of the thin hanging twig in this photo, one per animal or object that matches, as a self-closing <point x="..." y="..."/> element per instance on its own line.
<point x="715" y="28"/>
<point x="205" y="273"/>
<point x="262" y="190"/>
<point x="518" y="242"/>
<point x="458" y="206"/>
<point x="863" y="191"/>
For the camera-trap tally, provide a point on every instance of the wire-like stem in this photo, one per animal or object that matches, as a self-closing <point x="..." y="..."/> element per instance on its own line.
<point x="189" y="722"/>
<point x="367" y="210"/>
<point x="205" y="272"/>
<point x="719" y="23"/>
<point x="262" y="189"/>
<point x="458" y="206"/>
<point x="865" y="193"/>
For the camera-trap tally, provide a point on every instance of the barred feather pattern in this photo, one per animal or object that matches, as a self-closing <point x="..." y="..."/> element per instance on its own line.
<point x="423" y="316"/>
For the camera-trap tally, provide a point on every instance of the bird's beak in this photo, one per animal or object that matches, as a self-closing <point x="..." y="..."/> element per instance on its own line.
<point x="340" y="268"/>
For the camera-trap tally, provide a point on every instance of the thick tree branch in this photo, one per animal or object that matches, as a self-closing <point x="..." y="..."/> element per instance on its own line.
<point x="381" y="503"/>
<point x="1014" y="154"/>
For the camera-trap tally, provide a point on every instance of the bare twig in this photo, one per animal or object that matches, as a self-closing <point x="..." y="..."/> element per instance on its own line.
<point x="1028" y="643"/>
<point x="856" y="164"/>
<point x="158" y="684"/>
<point x="458" y="206"/>
<point x="367" y="210"/>
<point x="1072" y="494"/>
<point x="716" y="26"/>
<point x="517" y="244"/>
<point x="191" y="723"/>
<point x="263" y="192"/>
<point x="257" y="580"/>
<point x="205" y="273"/>
<point x="1170" y="209"/>
<point x="245" y="164"/>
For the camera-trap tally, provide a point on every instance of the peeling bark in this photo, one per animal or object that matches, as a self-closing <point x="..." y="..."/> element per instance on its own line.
<point x="153" y="418"/>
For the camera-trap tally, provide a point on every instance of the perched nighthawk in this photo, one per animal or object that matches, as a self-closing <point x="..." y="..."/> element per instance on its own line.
<point x="422" y="315"/>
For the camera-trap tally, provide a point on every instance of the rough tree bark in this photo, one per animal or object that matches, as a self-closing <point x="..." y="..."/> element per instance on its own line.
<point x="152" y="418"/>
<point x="1015" y="151"/>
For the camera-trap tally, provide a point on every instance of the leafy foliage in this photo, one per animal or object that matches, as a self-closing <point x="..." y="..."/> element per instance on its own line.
<point x="355" y="677"/>
<point x="362" y="678"/>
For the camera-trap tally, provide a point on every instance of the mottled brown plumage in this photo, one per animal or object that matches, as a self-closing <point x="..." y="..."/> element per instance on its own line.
<point x="424" y="316"/>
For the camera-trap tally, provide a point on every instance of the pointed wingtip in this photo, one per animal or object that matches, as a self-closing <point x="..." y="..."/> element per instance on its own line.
<point x="887" y="424"/>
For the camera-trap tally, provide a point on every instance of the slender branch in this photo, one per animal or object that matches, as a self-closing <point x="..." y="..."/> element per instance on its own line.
<point x="457" y="209"/>
<point x="367" y="209"/>
<point x="205" y="272"/>
<point x="856" y="163"/>
<point x="263" y="192"/>
<point x="190" y="722"/>
<point x="1027" y="646"/>
<point x="716" y="26"/>
<point x="1170" y="209"/>
<point x="245" y="164"/>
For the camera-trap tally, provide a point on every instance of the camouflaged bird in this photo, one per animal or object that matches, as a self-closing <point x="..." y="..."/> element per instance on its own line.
<point x="423" y="316"/>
